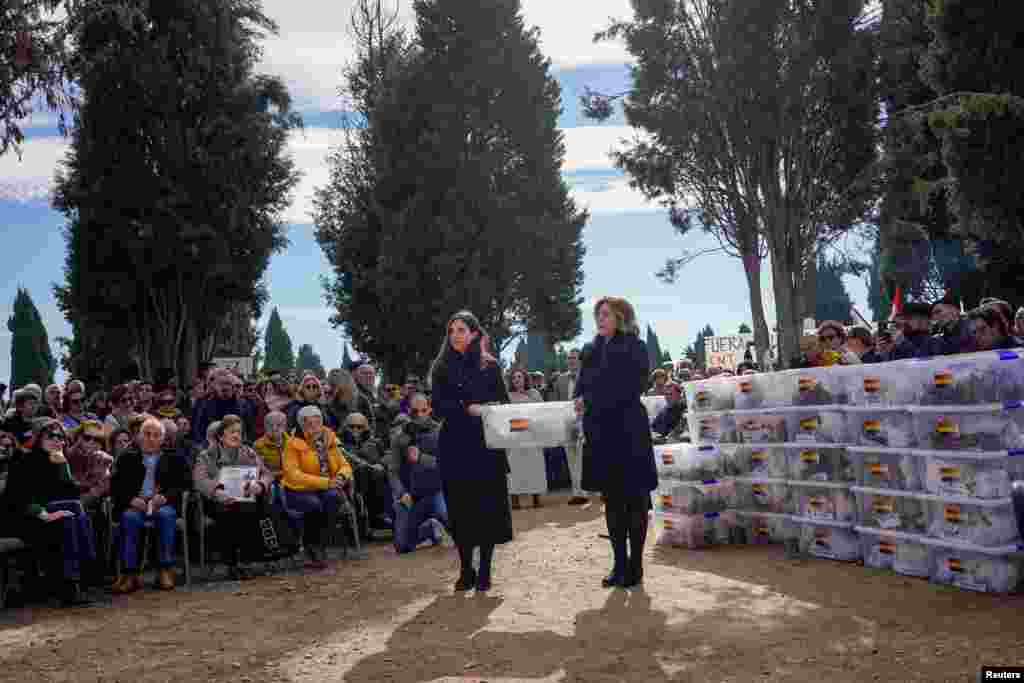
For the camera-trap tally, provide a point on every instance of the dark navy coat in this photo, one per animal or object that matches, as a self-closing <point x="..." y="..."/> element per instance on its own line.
<point x="474" y="477"/>
<point x="613" y="377"/>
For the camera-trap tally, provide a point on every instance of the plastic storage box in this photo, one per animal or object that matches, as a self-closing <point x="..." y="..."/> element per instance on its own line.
<point x="688" y="462"/>
<point x="969" y="379"/>
<point x="987" y="523"/>
<point x="883" y="384"/>
<point x="991" y="427"/>
<point x="529" y="425"/>
<point x="971" y="567"/>
<point x="824" y="501"/>
<point x="759" y="426"/>
<point x="830" y="540"/>
<point x="764" y="495"/>
<point x="892" y="510"/>
<point x="763" y="461"/>
<point x="712" y="427"/>
<point x="885" y="468"/>
<point x="974" y="475"/>
<point x="766" y="527"/>
<point x="878" y="426"/>
<point x="692" y="531"/>
<point x="691" y="498"/>
<point x="903" y="553"/>
<point x="712" y="395"/>
<point x="816" y="387"/>
<point x="816" y="424"/>
<point x="811" y="462"/>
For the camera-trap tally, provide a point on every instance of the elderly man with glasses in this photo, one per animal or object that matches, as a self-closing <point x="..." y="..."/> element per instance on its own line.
<point x="369" y="465"/>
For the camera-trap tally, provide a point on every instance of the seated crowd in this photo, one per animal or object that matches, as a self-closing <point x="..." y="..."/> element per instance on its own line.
<point x="69" y="464"/>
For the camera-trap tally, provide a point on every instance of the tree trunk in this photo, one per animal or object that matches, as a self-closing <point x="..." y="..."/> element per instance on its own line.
<point x="762" y="340"/>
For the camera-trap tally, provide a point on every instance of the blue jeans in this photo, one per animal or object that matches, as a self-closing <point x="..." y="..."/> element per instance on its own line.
<point x="78" y="543"/>
<point x="132" y="522"/>
<point x="323" y="506"/>
<point x="413" y="525"/>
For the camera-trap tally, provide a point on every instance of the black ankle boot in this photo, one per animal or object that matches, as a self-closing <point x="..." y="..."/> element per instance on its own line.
<point x="616" y="578"/>
<point x="634" y="575"/>
<point x="467" y="580"/>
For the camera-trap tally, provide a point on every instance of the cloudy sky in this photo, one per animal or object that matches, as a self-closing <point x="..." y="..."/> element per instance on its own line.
<point x="627" y="238"/>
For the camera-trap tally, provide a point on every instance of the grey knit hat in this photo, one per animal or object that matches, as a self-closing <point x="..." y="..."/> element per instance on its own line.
<point x="35" y="390"/>
<point x="309" y="411"/>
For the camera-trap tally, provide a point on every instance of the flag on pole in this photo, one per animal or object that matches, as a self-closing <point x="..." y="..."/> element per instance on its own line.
<point x="897" y="303"/>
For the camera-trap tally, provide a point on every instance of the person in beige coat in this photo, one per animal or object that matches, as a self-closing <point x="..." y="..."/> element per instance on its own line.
<point x="565" y="385"/>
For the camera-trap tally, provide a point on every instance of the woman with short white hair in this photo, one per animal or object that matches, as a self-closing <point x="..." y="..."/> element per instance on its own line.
<point x="314" y="475"/>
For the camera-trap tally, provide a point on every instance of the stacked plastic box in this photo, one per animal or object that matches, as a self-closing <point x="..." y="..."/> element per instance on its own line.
<point x="907" y="465"/>
<point x="692" y="505"/>
<point x="937" y="443"/>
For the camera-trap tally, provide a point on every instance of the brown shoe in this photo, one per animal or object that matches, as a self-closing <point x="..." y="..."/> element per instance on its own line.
<point x="578" y="500"/>
<point x="127" y="583"/>
<point x="167" y="580"/>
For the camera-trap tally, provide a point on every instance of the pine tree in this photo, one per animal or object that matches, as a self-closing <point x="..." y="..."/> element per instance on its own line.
<point x="346" y="359"/>
<point x="31" y="357"/>
<point x="833" y="302"/>
<point x="698" y="346"/>
<point x="653" y="349"/>
<point x="453" y="197"/>
<point x="308" y="360"/>
<point x="279" y="354"/>
<point x="744" y="329"/>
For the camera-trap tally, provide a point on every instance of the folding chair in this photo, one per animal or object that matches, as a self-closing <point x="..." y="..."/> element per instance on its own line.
<point x="182" y="526"/>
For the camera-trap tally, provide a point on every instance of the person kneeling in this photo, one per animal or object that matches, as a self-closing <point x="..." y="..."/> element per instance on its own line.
<point x="147" y="486"/>
<point x="316" y="475"/>
<point x="420" y="510"/>
<point x="235" y="517"/>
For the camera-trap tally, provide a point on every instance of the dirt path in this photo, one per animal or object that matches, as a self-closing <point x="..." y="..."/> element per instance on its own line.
<point x="728" y="614"/>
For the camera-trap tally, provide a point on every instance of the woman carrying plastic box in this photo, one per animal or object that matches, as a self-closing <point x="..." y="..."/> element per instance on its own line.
<point x="465" y="377"/>
<point x="620" y="461"/>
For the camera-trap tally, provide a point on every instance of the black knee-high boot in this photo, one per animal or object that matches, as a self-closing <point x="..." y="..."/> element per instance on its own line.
<point x="483" y="581"/>
<point x="467" y="575"/>
<point x="637" y="522"/>
<point x="615" y="517"/>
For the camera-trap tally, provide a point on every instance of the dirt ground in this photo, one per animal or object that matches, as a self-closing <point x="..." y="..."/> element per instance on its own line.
<point x="735" y="614"/>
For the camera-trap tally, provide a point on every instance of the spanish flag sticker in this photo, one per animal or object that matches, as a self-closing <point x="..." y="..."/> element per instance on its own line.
<point x="666" y="458"/>
<point x="872" y="385"/>
<point x="882" y="505"/>
<point x="809" y="457"/>
<point x="762" y="530"/>
<point x="809" y="424"/>
<point x="878" y="469"/>
<point x="519" y="424"/>
<point x="946" y="425"/>
<point x="953" y="514"/>
<point x="668" y="524"/>
<point x="666" y="501"/>
<point x="759" y="489"/>
<point x="758" y="457"/>
<point x="746" y="386"/>
<point x="943" y="378"/>
<point x="872" y="426"/>
<point x="887" y="547"/>
<point x="807" y="383"/>
<point x="954" y="565"/>
<point x="702" y="398"/>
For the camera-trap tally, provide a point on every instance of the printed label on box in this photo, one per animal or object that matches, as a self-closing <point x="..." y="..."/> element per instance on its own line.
<point x="810" y="457"/>
<point x="519" y="425"/>
<point x="943" y="378"/>
<point x="947" y="425"/>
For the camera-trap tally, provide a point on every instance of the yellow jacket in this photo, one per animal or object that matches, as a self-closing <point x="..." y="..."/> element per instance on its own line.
<point x="271" y="455"/>
<point x="301" y="466"/>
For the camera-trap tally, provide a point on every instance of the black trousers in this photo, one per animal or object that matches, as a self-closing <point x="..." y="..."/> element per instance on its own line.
<point x="234" y="526"/>
<point x="626" y="517"/>
<point x="374" y="487"/>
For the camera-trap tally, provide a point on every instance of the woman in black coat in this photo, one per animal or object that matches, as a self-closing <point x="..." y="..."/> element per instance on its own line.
<point x="464" y="378"/>
<point x="619" y="461"/>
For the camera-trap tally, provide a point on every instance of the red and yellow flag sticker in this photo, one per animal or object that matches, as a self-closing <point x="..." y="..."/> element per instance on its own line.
<point x="519" y="424"/>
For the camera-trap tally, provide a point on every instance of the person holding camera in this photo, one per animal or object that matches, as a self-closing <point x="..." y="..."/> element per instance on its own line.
<point x="420" y="510"/>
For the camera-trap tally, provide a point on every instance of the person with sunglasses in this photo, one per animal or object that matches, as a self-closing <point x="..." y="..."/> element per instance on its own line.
<point x="90" y="463"/>
<point x="122" y="405"/>
<point x="833" y="351"/>
<point x="45" y="509"/>
<point x="73" y="407"/>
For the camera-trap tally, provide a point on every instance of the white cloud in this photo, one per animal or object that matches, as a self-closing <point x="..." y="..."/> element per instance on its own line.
<point x="590" y="147"/>
<point x="315" y="40"/>
<point x="619" y="198"/>
<point x="30" y="178"/>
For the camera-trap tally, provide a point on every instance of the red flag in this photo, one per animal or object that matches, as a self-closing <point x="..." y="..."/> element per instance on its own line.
<point x="23" y="49"/>
<point x="897" y="303"/>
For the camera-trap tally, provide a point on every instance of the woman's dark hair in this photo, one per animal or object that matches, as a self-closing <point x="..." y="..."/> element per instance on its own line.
<point x="439" y="368"/>
<point x="993" y="318"/>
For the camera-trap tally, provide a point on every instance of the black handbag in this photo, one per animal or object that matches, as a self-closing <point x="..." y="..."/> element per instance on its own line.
<point x="270" y="536"/>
